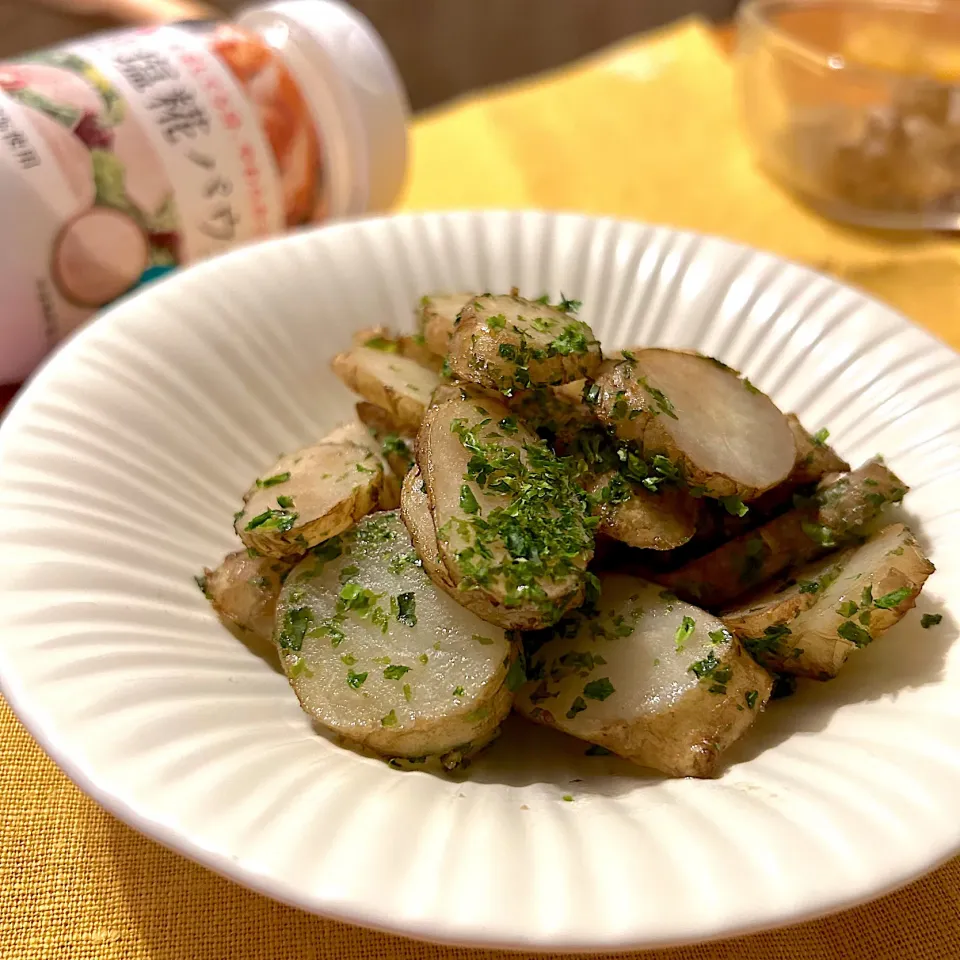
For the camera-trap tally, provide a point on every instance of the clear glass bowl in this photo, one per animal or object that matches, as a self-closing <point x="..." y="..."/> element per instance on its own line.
<point x="855" y="105"/>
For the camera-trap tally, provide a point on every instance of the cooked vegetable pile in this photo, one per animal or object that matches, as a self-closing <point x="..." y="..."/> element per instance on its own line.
<point x="635" y="549"/>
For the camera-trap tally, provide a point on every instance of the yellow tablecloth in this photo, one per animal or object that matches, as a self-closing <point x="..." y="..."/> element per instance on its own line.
<point x="76" y="884"/>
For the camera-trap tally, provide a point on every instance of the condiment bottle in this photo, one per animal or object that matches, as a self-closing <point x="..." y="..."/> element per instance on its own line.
<point x="127" y="154"/>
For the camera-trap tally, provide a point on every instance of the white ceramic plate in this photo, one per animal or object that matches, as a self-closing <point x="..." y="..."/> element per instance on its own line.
<point x="120" y="469"/>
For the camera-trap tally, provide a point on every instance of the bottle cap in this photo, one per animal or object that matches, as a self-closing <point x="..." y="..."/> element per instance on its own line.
<point x="355" y="94"/>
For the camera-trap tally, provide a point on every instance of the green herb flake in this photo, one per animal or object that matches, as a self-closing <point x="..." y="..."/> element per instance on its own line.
<point x="808" y="586"/>
<point x="893" y="599"/>
<point x="293" y="628"/>
<point x="750" y="387"/>
<point x="497" y="322"/>
<point x="458" y="691"/>
<point x="348" y="660"/>
<point x="735" y="506"/>
<point x="751" y="698"/>
<point x="855" y="634"/>
<point x="395" y="671"/>
<point x="578" y="706"/>
<point x="516" y="675"/>
<point x="423" y="658"/>
<point x="847" y="609"/>
<point x="355" y="680"/>
<point x="201" y="581"/>
<point x="568" y="306"/>
<point x="929" y="620"/>
<point x="390" y="720"/>
<point x="568" y="798"/>
<point x="718" y="637"/>
<point x="468" y="502"/>
<point x="381" y="343"/>
<point x="659" y="398"/>
<point x="394" y="444"/>
<point x="274" y="480"/>
<point x="407" y="694"/>
<point x="407" y="609"/>
<point x="820" y="437"/>
<point x="684" y="632"/>
<point x="270" y="519"/>
<point x="598" y="689"/>
<point x="285" y="502"/>
<point x="483" y="641"/>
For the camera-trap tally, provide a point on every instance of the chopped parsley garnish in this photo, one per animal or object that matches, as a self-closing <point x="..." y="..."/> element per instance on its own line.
<point x="390" y="720"/>
<point x="348" y="660"/>
<point x="705" y="667"/>
<point x="458" y="691"/>
<point x="395" y="671"/>
<point x="848" y="630"/>
<point x="468" y="502"/>
<point x="569" y="306"/>
<point x="407" y="609"/>
<point x="578" y="706"/>
<point x="381" y="343"/>
<point x="356" y="598"/>
<point x="808" y="586"/>
<point x="734" y="506"/>
<point x="348" y="572"/>
<point x="392" y="443"/>
<point x="573" y="339"/>
<point x="591" y="393"/>
<point x="285" y="502"/>
<point x="279" y="520"/>
<point x="847" y="609"/>
<point x="355" y="680"/>
<point x="684" y="632"/>
<point x="568" y="797"/>
<point x="201" y="581"/>
<point x="508" y="425"/>
<point x="750" y="387"/>
<point x="423" y="658"/>
<point x="598" y="689"/>
<point x="516" y="675"/>
<point x="406" y="692"/>
<point x="328" y="550"/>
<point x="893" y="599"/>
<point x="274" y="480"/>
<point x="820" y="437"/>
<point x="929" y="620"/>
<point x="484" y="641"/>
<point x="497" y="322"/>
<point x="769" y="643"/>
<point x="659" y="398"/>
<point x="751" y="698"/>
<point x="362" y="469"/>
<point x="719" y="636"/>
<point x="300" y="669"/>
<point x="296" y="622"/>
<point x="821" y="535"/>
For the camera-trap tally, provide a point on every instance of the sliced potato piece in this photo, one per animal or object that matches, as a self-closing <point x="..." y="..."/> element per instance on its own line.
<point x="842" y="510"/>
<point x="244" y="589"/>
<point x="507" y="343"/>
<point x="718" y="431"/>
<point x="357" y="433"/>
<point x="400" y="386"/>
<point x="511" y="522"/>
<point x="437" y="315"/>
<point x="397" y="449"/>
<point x="412" y="347"/>
<point x="378" y="655"/>
<point x="815" y="459"/>
<point x="656" y="681"/>
<point x="835" y="606"/>
<point x="639" y="518"/>
<point x="308" y="497"/>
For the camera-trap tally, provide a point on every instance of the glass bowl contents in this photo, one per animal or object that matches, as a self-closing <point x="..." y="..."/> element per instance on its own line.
<point x="855" y="105"/>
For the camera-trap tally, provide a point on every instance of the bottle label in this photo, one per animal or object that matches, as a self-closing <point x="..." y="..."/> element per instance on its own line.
<point x="126" y="155"/>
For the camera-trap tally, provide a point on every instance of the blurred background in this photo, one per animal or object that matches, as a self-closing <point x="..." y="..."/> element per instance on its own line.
<point x="443" y="47"/>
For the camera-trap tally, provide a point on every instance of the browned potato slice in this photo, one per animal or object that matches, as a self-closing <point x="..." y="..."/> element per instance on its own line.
<point x="412" y="347"/>
<point x="357" y="433"/>
<point x="308" y="497"/>
<point x="244" y="590"/>
<point x="833" y="607"/>
<point x="507" y="343"/>
<point x="841" y="510"/>
<point x="719" y="431"/>
<point x="510" y="521"/>
<point x="379" y="656"/>
<point x="650" y="521"/>
<point x="656" y="681"/>
<point x="416" y="516"/>
<point x="397" y="449"/>
<point x="438" y="313"/>
<point x="815" y="459"/>
<point x="400" y="386"/>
